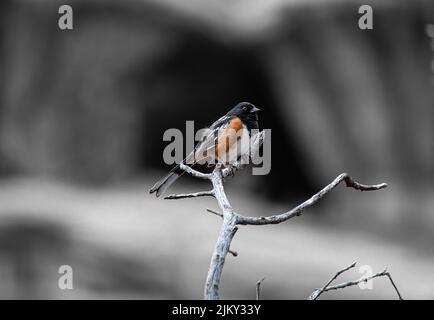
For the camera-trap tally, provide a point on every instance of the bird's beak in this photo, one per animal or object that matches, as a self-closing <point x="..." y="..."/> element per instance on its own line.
<point x="254" y="109"/>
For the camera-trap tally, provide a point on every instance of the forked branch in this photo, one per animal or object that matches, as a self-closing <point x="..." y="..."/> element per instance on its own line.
<point x="231" y="219"/>
<point x="328" y="287"/>
<point x="297" y="211"/>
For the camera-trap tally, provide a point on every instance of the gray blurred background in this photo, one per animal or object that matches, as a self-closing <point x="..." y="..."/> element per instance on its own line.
<point x="82" y="115"/>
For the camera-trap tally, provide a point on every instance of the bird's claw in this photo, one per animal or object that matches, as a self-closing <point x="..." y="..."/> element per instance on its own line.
<point x="231" y="170"/>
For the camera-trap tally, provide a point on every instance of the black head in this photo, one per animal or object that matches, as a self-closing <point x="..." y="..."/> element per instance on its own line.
<point x="247" y="112"/>
<point x="243" y="109"/>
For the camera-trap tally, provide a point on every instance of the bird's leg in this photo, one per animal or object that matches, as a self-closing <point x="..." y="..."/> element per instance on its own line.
<point x="231" y="169"/>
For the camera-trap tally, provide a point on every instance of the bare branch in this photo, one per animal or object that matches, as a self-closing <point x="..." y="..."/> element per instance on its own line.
<point x="258" y="288"/>
<point x="297" y="211"/>
<point x="195" y="173"/>
<point x="394" y="286"/>
<point x="221" y="249"/>
<point x="340" y="272"/>
<point x="362" y="187"/>
<point x="318" y="292"/>
<point x="231" y="219"/>
<point x="219" y="192"/>
<point x="314" y="295"/>
<point x="190" y="195"/>
<point x="215" y="212"/>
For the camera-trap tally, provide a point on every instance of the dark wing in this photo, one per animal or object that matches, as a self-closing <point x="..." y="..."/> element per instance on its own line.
<point x="221" y="122"/>
<point x="209" y="139"/>
<point x="206" y="143"/>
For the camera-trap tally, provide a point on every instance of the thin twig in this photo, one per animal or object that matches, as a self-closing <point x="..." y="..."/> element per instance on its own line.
<point x="355" y="282"/>
<point x="343" y="285"/>
<point x="190" y="195"/>
<point x="297" y="211"/>
<point x="394" y="286"/>
<point x="215" y="212"/>
<point x="318" y="292"/>
<point x="195" y="173"/>
<point x="234" y="253"/>
<point x="258" y="288"/>
<point x="362" y="187"/>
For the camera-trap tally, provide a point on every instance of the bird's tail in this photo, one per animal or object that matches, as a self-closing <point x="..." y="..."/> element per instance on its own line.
<point x="161" y="185"/>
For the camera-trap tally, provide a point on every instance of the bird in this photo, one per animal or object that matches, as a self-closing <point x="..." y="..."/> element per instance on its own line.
<point x="224" y="142"/>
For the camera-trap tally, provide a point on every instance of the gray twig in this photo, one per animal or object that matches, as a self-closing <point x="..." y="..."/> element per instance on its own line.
<point x="394" y="286"/>
<point x="327" y="287"/>
<point x="215" y="212"/>
<point x="194" y="173"/>
<point x="190" y="195"/>
<point x="318" y="292"/>
<point x="258" y="288"/>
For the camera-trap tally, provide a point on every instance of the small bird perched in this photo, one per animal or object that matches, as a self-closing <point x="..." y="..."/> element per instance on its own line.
<point x="225" y="136"/>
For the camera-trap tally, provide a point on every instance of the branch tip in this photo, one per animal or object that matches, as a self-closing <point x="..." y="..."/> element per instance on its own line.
<point x="258" y="288"/>
<point x="297" y="211"/>
<point x="234" y="253"/>
<point x="215" y="212"/>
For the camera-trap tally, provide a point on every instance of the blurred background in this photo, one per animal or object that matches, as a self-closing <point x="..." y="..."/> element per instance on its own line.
<point x="82" y="116"/>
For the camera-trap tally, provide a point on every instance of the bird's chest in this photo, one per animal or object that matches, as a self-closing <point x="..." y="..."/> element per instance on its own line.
<point x="232" y="142"/>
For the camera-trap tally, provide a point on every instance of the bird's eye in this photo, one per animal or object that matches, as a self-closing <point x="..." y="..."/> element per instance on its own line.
<point x="244" y="109"/>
